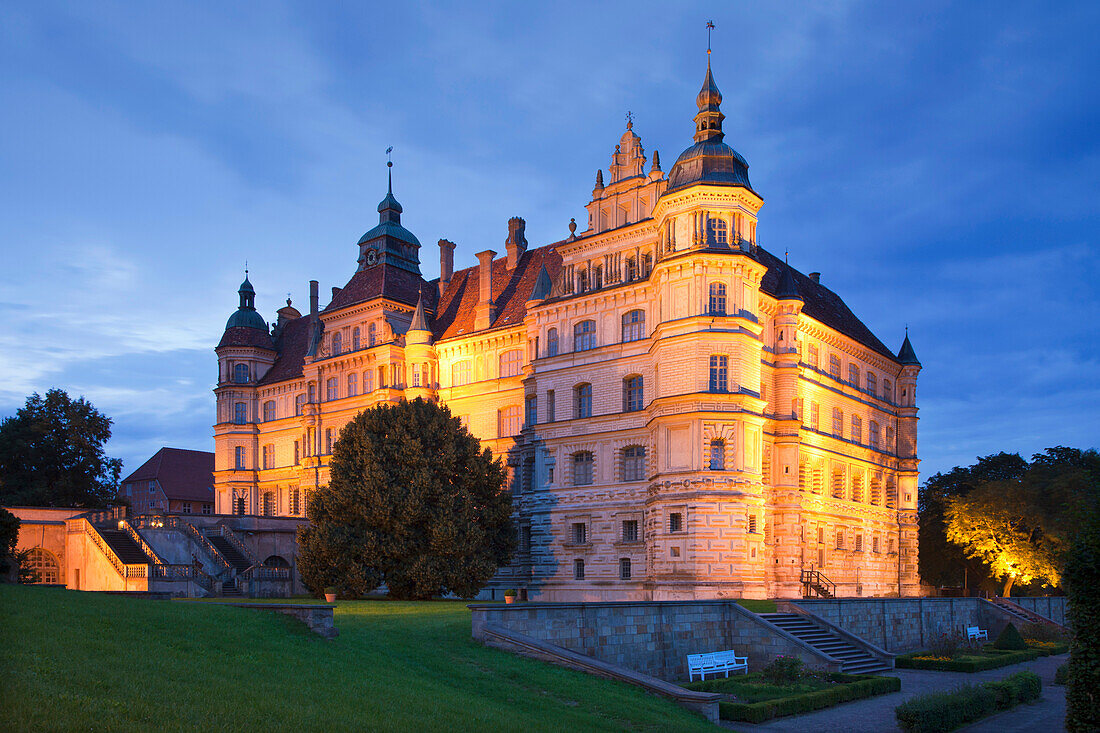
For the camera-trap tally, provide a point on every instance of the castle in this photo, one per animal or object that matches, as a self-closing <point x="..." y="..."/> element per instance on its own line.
<point x="684" y="415"/>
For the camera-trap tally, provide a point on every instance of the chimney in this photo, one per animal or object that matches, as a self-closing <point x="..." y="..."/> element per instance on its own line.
<point x="815" y="276"/>
<point x="516" y="242"/>
<point x="486" y="312"/>
<point x="314" y="320"/>
<point x="446" y="263"/>
<point x="314" y="304"/>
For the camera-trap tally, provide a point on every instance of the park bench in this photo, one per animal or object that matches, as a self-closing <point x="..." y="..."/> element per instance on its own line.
<point x="715" y="662"/>
<point x="973" y="632"/>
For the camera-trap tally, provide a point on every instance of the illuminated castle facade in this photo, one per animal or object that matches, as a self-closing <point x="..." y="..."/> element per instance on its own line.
<point x="684" y="414"/>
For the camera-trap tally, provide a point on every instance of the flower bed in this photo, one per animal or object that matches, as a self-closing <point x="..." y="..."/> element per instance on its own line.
<point x="812" y="691"/>
<point x="945" y="711"/>
<point x="971" y="661"/>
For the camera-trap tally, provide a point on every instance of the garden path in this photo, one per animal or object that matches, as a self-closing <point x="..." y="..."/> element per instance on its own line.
<point x="876" y="714"/>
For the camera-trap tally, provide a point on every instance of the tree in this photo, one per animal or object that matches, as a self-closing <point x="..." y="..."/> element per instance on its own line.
<point x="51" y="454"/>
<point x="1082" y="578"/>
<point x="413" y="502"/>
<point x="9" y="538"/>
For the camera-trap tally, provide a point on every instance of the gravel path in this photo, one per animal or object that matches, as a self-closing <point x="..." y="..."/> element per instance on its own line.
<point x="876" y="714"/>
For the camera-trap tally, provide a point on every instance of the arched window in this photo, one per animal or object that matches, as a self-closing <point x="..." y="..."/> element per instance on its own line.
<point x="582" y="400"/>
<point x="633" y="325"/>
<point x="552" y="342"/>
<point x="887" y="391"/>
<point x="717" y="455"/>
<point x="717" y="299"/>
<point x="240" y="373"/>
<point x="269" y="410"/>
<point x="719" y="373"/>
<point x="353" y="384"/>
<point x="633" y="397"/>
<point x="511" y="362"/>
<point x="717" y="231"/>
<point x="834" y="366"/>
<point x="240" y="413"/>
<point x="372" y="335"/>
<point x="44" y="565"/>
<point x="355" y="339"/>
<point x="238" y="455"/>
<point x="276" y="561"/>
<point x="584" y="336"/>
<point x="332" y="389"/>
<point x="872" y="384"/>
<point x="582" y="468"/>
<point x="508" y="421"/>
<point x="337" y="343"/>
<point x="633" y="463"/>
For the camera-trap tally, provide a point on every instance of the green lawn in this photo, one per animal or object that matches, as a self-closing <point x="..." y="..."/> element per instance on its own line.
<point x="72" y="660"/>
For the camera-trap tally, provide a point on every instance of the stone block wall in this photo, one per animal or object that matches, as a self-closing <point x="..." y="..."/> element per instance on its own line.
<point x="1052" y="607"/>
<point x="652" y="637"/>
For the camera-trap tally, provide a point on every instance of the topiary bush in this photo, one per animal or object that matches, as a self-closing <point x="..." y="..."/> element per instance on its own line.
<point x="783" y="671"/>
<point x="1010" y="639"/>
<point x="946" y="711"/>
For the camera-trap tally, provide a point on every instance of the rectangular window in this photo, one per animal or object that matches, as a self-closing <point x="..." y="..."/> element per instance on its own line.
<point x="796" y="408"/>
<point x="624" y="568"/>
<point x="206" y="509"/>
<point x="632" y="394"/>
<point x="675" y="522"/>
<point x="887" y="390"/>
<point x="297" y="453"/>
<point x="872" y="384"/>
<point x="840" y="540"/>
<point x="857" y="429"/>
<point x="838" y="422"/>
<point x="299" y="400"/>
<point x="633" y="326"/>
<point x="511" y="362"/>
<point x="269" y="410"/>
<point x="583" y="406"/>
<point x="328" y="440"/>
<point x="525" y="538"/>
<point x="532" y="410"/>
<point x="718" y="455"/>
<point x="508" y="421"/>
<point x="717" y="304"/>
<point x="295" y="501"/>
<point x="269" y="456"/>
<point x="578" y="569"/>
<point x="552" y="342"/>
<point x="859" y="543"/>
<point x="630" y="530"/>
<point x="874" y="544"/>
<point x="853" y="375"/>
<point x="752" y="524"/>
<point x="332" y="389"/>
<point x="584" y="336"/>
<point x="579" y="535"/>
<point x="821" y="535"/>
<point x="240" y="413"/>
<point x="239" y="455"/>
<point x="186" y="507"/>
<point x="719" y="373"/>
<point x="550" y="406"/>
<point x="813" y="356"/>
<point x="460" y="373"/>
<point x="814" y="415"/>
<point x="834" y="366"/>
<point x="633" y="463"/>
<point x="890" y="447"/>
<point x="582" y="469"/>
<point x="269" y="503"/>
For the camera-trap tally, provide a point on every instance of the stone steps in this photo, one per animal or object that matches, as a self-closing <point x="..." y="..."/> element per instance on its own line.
<point x="853" y="659"/>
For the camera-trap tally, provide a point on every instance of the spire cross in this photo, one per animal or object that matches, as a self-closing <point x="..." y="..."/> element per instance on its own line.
<point x="710" y="27"/>
<point x="246" y="269"/>
<point x="629" y="119"/>
<point x="389" y="170"/>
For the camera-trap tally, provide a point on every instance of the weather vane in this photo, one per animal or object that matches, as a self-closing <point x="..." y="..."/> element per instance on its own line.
<point x="389" y="161"/>
<point x="629" y="119"/>
<point x="710" y="27"/>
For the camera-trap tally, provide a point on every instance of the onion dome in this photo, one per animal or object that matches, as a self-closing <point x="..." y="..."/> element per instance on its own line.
<point x="906" y="355"/>
<point x="709" y="160"/>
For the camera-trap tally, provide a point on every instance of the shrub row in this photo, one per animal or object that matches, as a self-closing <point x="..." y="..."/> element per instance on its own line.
<point x="945" y="711"/>
<point x="855" y="687"/>
<point x="969" y="664"/>
<point x="1054" y="649"/>
<point x="1061" y="675"/>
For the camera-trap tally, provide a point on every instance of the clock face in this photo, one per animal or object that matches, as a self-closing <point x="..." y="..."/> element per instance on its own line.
<point x="372" y="256"/>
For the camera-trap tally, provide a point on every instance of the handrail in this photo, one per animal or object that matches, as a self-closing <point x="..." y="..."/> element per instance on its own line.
<point x="136" y="537"/>
<point x="263" y="572"/>
<point x="183" y="572"/>
<point x="811" y="578"/>
<point x="187" y="528"/>
<point x="239" y="546"/>
<point x="124" y="569"/>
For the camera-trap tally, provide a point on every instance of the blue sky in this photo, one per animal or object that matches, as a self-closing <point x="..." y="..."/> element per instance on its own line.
<point x="939" y="164"/>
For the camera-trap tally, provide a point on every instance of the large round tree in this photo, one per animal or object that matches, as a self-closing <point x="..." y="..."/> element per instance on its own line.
<point x="413" y="502"/>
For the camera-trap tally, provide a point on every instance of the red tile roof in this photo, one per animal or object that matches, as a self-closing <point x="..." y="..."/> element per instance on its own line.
<point x="292" y="344"/>
<point x="186" y="475"/>
<point x="245" y="336"/>
<point x="383" y="281"/>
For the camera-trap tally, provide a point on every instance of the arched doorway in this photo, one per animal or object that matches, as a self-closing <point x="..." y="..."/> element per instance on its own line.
<point x="276" y="561"/>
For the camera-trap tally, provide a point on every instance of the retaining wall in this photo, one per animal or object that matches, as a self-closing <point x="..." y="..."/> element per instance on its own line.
<point x="1052" y="607"/>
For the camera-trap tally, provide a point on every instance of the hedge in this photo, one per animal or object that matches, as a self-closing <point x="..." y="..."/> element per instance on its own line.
<point x="968" y="664"/>
<point x="1061" y="675"/>
<point x="945" y="711"/>
<point x="855" y="687"/>
<point x="1051" y="651"/>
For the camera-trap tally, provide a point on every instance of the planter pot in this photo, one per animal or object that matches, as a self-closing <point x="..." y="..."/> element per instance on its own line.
<point x="330" y="597"/>
<point x="509" y="599"/>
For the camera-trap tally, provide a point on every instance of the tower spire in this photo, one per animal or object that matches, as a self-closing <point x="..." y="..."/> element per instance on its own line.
<point x="708" y="122"/>
<point x="389" y="171"/>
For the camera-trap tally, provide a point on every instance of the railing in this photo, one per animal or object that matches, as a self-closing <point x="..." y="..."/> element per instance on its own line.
<point x="136" y="537"/>
<point x="126" y="571"/>
<point x="232" y="538"/>
<point x="183" y="572"/>
<point x="176" y="523"/>
<point x="262" y="572"/>
<point x="106" y="515"/>
<point x="816" y="580"/>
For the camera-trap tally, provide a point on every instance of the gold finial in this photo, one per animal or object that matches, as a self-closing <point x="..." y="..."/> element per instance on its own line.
<point x="710" y="27"/>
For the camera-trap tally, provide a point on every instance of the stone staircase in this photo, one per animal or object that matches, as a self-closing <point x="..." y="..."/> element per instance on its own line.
<point x="232" y="556"/>
<point x="853" y="659"/>
<point x="123" y="545"/>
<point x="230" y="589"/>
<point x="1021" y="615"/>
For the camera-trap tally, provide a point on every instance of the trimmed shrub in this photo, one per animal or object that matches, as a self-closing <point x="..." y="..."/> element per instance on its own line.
<point x="946" y="711"/>
<point x="1061" y="675"/>
<point x="854" y="687"/>
<point x="1043" y="632"/>
<point x="1010" y="639"/>
<point x="783" y="670"/>
<point x="965" y="664"/>
<point x="1082" y="579"/>
<point x="946" y="644"/>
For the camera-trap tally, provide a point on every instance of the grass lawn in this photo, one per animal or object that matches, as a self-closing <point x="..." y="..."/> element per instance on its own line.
<point x="73" y="660"/>
<point x="757" y="606"/>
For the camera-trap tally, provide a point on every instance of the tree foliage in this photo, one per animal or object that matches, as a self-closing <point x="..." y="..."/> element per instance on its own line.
<point x="413" y="502"/>
<point x="1020" y="526"/>
<point x="1082" y="577"/>
<point x="9" y="537"/>
<point x="51" y="454"/>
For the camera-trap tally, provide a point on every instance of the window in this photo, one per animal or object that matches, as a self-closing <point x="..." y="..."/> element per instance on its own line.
<point x="578" y="533"/>
<point x="552" y="342"/>
<point x="857" y="487"/>
<point x="796" y="408"/>
<point x="269" y="410"/>
<point x="353" y="385"/>
<point x="186" y="507"/>
<point x="814" y="415"/>
<point x="297" y="453"/>
<point x="717" y="455"/>
<point x="874" y="544"/>
<point x="460" y="373"/>
<point x="717" y="305"/>
<point x="838" y="483"/>
<point x="578" y="569"/>
<point x="295" y="500"/>
<point x="840" y="540"/>
<point x="821" y="535"/>
<point x="630" y="530"/>
<point x="633" y="463"/>
<point x="299" y="401"/>
<point x="872" y="434"/>
<point x="633" y="325"/>
<point x="269" y="456"/>
<point x="368" y="381"/>
<point x="337" y="344"/>
<point x="890" y="447"/>
<point x="675" y="522"/>
<point x="717" y="231"/>
<point x="381" y="377"/>
<point x="584" y="336"/>
<point x="853" y="375"/>
<point x="511" y="362"/>
<point x="834" y="366"/>
<point x="624" y="568"/>
<point x="207" y="509"/>
<point x="354" y="345"/>
<point x="719" y="373"/>
<point x="240" y="373"/>
<point x="240" y="413"/>
<point x="508" y="421"/>
<point x="838" y="422"/>
<point x="876" y="489"/>
<point x="238" y="455"/>
<point x="872" y="383"/>
<point x="238" y="505"/>
<point x="328" y="440"/>
<point x="44" y="565"/>
<point x="631" y="269"/>
<point x="372" y="335"/>
<point x="312" y="392"/>
<point x="582" y="401"/>
<point x="416" y="371"/>
<point x="550" y="406"/>
<point x="813" y="356"/>
<point x="525" y="538"/>
<point x="632" y="394"/>
<point x="859" y="543"/>
<point x="752" y="524"/>
<point x="269" y="504"/>
<point x="582" y="468"/>
<point x="857" y="429"/>
<point x="887" y="391"/>
<point x="532" y="411"/>
<point x="332" y="389"/>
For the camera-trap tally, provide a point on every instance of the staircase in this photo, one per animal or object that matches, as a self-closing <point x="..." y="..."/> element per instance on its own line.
<point x="1022" y="615"/>
<point x="853" y="659"/>
<point x="232" y="556"/>
<point x="814" y="581"/>
<point x="128" y="551"/>
<point x="230" y="589"/>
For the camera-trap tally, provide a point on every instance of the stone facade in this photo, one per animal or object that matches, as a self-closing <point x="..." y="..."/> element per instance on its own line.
<point x="684" y="414"/>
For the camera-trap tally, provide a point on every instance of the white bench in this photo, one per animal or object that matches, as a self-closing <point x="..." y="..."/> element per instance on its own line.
<point x="973" y="632"/>
<point x="715" y="662"/>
